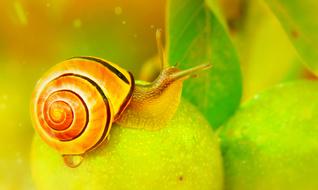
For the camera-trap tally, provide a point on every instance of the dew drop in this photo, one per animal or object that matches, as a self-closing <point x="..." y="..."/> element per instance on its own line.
<point x="3" y="106"/>
<point x="118" y="10"/>
<point x="21" y="13"/>
<point x="77" y="23"/>
<point x="5" y="97"/>
<point x="72" y="161"/>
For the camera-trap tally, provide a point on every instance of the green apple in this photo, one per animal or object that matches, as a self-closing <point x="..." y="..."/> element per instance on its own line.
<point x="272" y="141"/>
<point x="183" y="155"/>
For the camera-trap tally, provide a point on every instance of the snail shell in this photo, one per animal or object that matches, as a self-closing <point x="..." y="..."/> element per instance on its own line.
<point x="75" y="103"/>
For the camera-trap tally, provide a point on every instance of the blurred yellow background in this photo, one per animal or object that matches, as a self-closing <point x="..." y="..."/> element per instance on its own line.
<point x="35" y="35"/>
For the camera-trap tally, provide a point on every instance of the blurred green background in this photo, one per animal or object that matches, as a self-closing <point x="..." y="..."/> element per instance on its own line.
<point x="35" y="35"/>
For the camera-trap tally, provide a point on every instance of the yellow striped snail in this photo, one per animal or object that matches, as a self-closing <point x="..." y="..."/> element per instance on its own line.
<point x="75" y="103"/>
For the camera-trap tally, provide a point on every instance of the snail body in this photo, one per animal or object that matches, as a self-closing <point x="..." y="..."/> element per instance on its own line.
<point x="75" y="103"/>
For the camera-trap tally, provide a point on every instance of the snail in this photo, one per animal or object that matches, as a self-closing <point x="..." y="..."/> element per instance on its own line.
<point x="75" y="103"/>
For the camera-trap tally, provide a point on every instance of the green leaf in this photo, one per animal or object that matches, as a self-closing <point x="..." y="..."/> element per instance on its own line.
<point x="195" y="36"/>
<point x="300" y="21"/>
<point x="264" y="49"/>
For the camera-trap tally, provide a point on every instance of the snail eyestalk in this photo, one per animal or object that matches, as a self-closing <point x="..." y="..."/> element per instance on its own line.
<point x="184" y="74"/>
<point x="159" y="98"/>
<point x="163" y="62"/>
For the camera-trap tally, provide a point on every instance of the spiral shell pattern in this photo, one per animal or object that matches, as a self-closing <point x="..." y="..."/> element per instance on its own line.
<point x="76" y="102"/>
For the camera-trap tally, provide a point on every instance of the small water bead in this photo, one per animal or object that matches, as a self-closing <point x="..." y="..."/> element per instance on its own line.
<point x="21" y="13"/>
<point x="19" y="159"/>
<point x="77" y="23"/>
<point x="5" y="97"/>
<point x="118" y="10"/>
<point x="3" y="106"/>
<point x="73" y="161"/>
<point x="3" y="102"/>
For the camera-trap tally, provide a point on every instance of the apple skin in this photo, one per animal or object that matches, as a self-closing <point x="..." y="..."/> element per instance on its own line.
<point x="272" y="141"/>
<point x="183" y="155"/>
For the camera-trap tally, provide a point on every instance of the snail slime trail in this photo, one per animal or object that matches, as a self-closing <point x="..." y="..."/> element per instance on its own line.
<point x="75" y="103"/>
